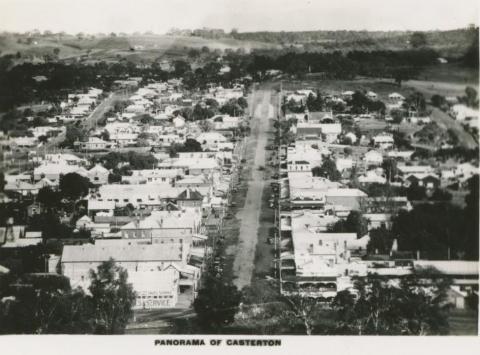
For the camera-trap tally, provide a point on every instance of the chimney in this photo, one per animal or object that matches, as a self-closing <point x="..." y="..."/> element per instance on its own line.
<point x="9" y="235"/>
<point x="418" y="254"/>
<point x="394" y="245"/>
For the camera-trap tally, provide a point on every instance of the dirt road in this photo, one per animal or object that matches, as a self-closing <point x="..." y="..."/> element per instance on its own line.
<point x="445" y="121"/>
<point x="249" y="216"/>
<point x="89" y="122"/>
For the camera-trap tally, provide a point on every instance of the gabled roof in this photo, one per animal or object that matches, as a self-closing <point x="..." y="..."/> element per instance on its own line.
<point x="373" y="152"/>
<point x="85" y="218"/>
<point x="98" y="169"/>
<point x="189" y="194"/>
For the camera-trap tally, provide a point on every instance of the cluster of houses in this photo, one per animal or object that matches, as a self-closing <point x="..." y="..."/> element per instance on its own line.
<point x="174" y="205"/>
<point x="393" y="102"/>
<point x="76" y="107"/>
<point x="163" y="103"/>
<point x="315" y="262"/>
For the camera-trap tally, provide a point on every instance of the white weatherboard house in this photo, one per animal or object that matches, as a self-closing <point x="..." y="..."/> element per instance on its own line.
<point x="98" y="175"/>
<point x="383" y="141"/>
<point x="373" y="157"/>
<point x="210" y="140"/>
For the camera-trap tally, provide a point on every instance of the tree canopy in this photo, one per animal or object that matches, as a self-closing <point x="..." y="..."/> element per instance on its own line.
<point x="44" y="304"/>
<point x="73" y="186"/>
<point x="48" y="197"/>
<point x="2" y="181"/>
<point x="134" y="160"/>
<point x="328" y="169"/>
<point x="234" y="107"/>
<point x="354" y="223"/>
<point x="433" y="229"/>
<point x="418" y="39"/>
<point x="190" y="145"/>
<point x="381" y="240"/>
<point x="216" y="304"/>
<point x="112" y="298"/>
<point x="385" y="307"/>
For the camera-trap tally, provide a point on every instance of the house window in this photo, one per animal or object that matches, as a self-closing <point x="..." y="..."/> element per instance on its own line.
<point x="95" y="178"/>
<point x="125" y="200"/>
<point x="139" y="200"/>
<point x="116" y="199"/>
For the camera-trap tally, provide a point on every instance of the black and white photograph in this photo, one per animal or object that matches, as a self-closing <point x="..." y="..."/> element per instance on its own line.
<point x="247" y="170"/>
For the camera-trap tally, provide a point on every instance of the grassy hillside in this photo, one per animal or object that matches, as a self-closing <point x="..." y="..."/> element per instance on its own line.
<point x="451" y="72"/>
<point x="452" y="43"/>
<point x="147" y="46"/>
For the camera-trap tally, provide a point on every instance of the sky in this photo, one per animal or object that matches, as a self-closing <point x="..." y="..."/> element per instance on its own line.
<point x="158" y="16"/>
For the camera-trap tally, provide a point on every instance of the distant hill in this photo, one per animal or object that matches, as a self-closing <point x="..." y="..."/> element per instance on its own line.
<point x="108" y="47"/>
<point x="450" y="44"/>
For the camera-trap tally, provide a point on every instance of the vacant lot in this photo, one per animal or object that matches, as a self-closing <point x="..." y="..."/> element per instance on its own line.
<point x="429" y="88"/>
<point x="450" y="73"/>
<point x="446" y="80"/>
<point x="463" y="322"/>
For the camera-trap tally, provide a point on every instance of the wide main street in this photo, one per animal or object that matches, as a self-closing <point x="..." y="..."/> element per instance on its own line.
<point x="243" y="265"/>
